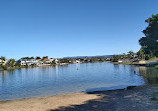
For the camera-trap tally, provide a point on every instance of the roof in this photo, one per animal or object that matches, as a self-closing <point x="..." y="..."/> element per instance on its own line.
<point x="39" y="59"/>
<point x="46" y="59"/>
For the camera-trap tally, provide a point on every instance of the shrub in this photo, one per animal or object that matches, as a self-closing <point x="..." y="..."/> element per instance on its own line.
<point x="4" y="67"/>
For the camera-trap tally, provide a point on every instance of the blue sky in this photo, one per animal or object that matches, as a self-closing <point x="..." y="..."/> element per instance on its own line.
<point x="60" y="28"/>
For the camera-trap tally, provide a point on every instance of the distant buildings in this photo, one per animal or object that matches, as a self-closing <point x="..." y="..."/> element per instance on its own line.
<point x="27" y="62"/>
<point x="78" y="61"/>
<point x="38" y="62"/>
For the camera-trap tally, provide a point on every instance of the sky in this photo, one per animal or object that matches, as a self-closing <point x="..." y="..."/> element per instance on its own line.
<point x="61" y="28"/>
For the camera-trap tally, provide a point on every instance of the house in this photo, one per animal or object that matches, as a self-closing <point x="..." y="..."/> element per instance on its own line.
<point x="78" y="61"/>
<point x="108" y="59"/>
<point x="39" y="61"/>
<point x="56" y="61"/>
<point x="46" y="60"/>
<point x="28" y="61"/>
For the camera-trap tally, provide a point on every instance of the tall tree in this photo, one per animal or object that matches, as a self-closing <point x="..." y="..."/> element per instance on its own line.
<point x="150" y="41"/>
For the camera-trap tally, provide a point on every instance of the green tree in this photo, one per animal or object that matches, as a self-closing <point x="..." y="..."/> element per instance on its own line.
<point x="124" y="55"/>
<point x="45" y="57"/>
<point x="130" y="54"/>
<point x="10" y="63"/>
<point x="64" y="60"/>
<point x="38" y="57"/>
<point x="3" y="58"/>
<point x="141" y="53"/>
<point x="150" y="41"/>
<point x="115" y="58"/>
<point x="31" y="58"/>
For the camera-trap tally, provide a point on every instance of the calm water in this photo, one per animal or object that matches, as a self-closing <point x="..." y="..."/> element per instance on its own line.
<point x="53" y="80"/>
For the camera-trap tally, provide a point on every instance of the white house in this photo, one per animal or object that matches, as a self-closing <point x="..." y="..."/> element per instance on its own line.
<point x="27" y="61"/>
<point x="78" y="61"/>
<point x="56" y="61"/>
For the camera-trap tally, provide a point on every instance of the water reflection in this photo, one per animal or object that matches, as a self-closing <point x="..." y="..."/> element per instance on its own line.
<point x="52" y="80"/>
<point x="149" y="74"/>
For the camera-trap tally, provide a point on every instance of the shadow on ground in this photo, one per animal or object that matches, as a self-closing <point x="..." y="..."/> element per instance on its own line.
<point x="133" y="99"/>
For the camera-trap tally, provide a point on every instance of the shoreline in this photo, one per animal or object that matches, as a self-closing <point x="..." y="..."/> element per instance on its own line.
<point x="57" y="102"/>
<point x="42" y="65"/>
<point x="71" y="93"/>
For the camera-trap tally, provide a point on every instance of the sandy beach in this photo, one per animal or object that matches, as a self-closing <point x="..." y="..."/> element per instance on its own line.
<point x="131" y="99"/>
<point x="45" y="103"/>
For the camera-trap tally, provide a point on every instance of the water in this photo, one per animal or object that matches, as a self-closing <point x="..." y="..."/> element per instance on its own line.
<point x="54" y="80"/>
<point x="150" y="74"/>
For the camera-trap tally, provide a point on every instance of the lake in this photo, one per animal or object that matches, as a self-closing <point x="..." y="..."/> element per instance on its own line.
<point x="55" y="80"/>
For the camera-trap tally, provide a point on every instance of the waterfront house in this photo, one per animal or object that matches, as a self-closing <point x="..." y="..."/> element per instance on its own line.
<point x="56" y="61"/>
<point x="47" y="61"/>
<point x="78" y="61"/>
<point x="39" y="61"/>
<point x="28" y="61"/>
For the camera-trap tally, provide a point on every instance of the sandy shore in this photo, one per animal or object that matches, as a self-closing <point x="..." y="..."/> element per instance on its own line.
<point x="45" y="103"/>
<point x="133" y="99"/>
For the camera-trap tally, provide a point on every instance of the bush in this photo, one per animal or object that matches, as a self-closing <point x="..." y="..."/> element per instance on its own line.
<point x="146" y="57"/>
<point x="4" y="67"/>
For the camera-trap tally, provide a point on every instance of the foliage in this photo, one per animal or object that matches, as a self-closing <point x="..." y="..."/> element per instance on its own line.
<point x="38" y="57"/>
<point x="149" y="43"/>
<point x="27" y="58"/>
<point x="64" y="60"/>
<point x="4" y="67"/>
<point x="45" y="57"/>
<point x="130" y="54"/>
<point x="11" y="62"/>
<point x="115" y="58"/>
<point x="3" y="58"/>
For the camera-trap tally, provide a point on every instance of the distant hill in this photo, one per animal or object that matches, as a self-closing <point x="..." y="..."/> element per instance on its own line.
<point x="105" y="56"/>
